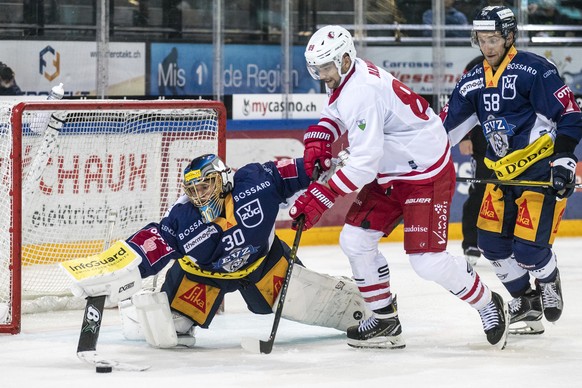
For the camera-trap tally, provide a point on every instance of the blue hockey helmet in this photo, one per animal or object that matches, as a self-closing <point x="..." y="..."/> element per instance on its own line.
<point x="494" y="18"/>
<point x="207" y="181"/>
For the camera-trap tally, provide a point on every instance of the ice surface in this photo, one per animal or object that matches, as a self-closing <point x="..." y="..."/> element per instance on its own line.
<point x="446" y="346"/>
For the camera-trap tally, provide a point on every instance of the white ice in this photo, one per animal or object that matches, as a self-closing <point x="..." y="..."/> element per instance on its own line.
<point x="445" y="344"/>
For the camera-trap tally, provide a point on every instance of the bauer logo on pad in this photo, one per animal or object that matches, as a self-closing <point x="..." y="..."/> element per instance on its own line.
<point x="118" y="256"/>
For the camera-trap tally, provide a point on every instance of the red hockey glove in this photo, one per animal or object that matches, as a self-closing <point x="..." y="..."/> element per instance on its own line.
<point x="317" y="142"/>
<point x="313" y="203"/>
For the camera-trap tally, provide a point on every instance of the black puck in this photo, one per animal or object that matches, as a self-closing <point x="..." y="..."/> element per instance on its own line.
<point x="103" y="369"/>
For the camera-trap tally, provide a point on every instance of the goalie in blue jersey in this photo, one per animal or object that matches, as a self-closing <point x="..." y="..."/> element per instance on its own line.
<point x="532" y="125"/>
<point x="220" y="236"/>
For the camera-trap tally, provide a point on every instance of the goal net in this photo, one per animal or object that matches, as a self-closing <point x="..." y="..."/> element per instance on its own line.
<point x="77" y="175"/>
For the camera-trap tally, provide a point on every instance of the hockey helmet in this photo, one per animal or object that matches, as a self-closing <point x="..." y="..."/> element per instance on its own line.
<point x="207" y="181"/>
<point x="328" y="45"/>
<point x="494" y="18"/>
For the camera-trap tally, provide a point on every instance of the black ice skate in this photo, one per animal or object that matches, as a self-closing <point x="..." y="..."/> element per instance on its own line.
<point x="526" y="314"/>
<point x="495" y="318"/>
<point x="552" y="301"/>
<point x="380" y="331"/>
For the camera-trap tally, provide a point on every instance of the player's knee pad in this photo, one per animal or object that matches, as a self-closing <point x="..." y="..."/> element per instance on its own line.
<point x="323" y="300"/>
<point x="358" y="242"/>
<point x="493" y="246"/>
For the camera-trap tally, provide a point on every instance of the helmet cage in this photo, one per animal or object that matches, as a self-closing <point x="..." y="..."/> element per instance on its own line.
<point x="206" y="182"/>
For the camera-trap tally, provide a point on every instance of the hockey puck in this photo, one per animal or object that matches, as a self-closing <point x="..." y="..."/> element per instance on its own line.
<point x="103" y="369"/>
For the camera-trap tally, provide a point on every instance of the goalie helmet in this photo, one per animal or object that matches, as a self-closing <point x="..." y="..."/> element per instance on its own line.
<point x="494" y="18"/>
<point x="328" y="45"/>
<point x="207" y="181"/>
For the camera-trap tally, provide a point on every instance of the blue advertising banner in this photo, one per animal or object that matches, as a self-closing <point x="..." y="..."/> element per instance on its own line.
<point x="186" y="69"/>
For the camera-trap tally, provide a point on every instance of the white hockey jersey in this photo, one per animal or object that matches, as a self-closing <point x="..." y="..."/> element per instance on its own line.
<point x="393" y="133"/>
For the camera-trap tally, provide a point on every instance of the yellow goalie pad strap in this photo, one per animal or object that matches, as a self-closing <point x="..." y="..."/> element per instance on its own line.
<point x="119" y="256"/>
<point x="191" y="267"/>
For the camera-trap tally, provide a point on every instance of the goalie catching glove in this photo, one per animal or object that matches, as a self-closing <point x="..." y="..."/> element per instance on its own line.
<point x="113" y="272"/>
<point x="563" y="174"/>
<point x="317" y="140"/>
<point x="313" y="203"/>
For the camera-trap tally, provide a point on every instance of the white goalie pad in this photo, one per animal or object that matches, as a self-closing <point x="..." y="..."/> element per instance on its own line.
<point x="323" y="300"/>
<point x="147" y="316"/>
<point x="155" y="319"/>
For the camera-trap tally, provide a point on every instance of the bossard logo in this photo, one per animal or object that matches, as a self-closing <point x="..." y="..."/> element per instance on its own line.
<point x="251" y="214"/>
<point x="361" y="124"/>
<point x="277" y="285"/>
<point x="508" y="92"/>
<point x="196" y="296"/>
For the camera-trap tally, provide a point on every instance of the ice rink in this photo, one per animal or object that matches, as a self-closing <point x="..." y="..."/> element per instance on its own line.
<point x="445" y="344"/>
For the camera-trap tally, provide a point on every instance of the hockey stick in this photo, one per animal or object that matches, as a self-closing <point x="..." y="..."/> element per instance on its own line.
<point x="514" y="182"/>
<point x="258" y="346"/>
<point x="92" y="319"/>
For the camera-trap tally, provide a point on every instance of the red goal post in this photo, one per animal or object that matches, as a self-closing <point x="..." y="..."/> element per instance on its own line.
<point x="79" y="174"/>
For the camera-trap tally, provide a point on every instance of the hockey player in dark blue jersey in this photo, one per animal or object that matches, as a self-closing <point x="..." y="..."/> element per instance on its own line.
<point x="532" y="124"/>
<point x="220" y="236"/>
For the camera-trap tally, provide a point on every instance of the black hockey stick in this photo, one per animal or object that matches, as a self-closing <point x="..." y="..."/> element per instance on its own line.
<point x="92" y="319"/>
<point x="516" y="182"/>
<point x="258" y="346"/>
<point x="87" y="347"/>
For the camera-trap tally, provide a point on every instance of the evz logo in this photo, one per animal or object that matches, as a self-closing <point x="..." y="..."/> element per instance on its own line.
<point x="251" y="214"/>
<point x="508" y="92"/>
<point x="497" y="131"/>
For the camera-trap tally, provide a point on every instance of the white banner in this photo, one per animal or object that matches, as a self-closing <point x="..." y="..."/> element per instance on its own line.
<point x="39" y="65"/>
<point x="273" y="106"/>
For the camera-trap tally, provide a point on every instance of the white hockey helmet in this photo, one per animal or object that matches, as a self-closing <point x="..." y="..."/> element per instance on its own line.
<point x="328" y="45"/>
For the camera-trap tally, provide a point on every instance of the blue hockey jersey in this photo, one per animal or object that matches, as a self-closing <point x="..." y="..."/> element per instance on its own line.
<point x="233" y="245"/>
<point x="522" y="107"/>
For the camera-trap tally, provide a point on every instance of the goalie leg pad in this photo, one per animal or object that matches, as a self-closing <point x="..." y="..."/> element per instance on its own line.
<point x="323" y="300"/>
<point x="159" y="325"/>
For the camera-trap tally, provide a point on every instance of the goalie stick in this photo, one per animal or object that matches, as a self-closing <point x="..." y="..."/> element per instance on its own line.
<point x="92" y="319"/>
<point x="258" y="346"/>
<point x="514" y="182"/>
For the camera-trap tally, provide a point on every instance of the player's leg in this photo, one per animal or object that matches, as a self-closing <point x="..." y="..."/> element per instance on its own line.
<point x="426" y="215"/>
<point x="496" y="227"/>
<point x="535" y="231"/>
<point x="372" y="215"/>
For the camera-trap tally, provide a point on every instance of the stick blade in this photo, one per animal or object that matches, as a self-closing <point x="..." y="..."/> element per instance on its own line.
<point x="93" y="358"/>
<point x="256" y="346"/>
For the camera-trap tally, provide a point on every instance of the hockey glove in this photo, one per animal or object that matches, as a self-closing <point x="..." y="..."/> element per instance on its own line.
<point x="563" y="174"/>
<point x="313" y="203"/>
<point x="317" y="142"/>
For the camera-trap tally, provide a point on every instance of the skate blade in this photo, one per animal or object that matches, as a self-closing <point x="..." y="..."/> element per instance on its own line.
<point x="395" y="342"/>
<point x="526" y="328"/>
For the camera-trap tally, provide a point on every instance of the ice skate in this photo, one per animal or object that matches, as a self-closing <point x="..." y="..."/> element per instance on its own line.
<point x="552" y="301"/>
<point x="526" y="314"/>
<point x="495" y="318"/>
<point x="380" y="331"/>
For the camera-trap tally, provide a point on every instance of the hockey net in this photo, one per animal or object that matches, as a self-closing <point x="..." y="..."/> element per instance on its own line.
<point x="77" y="175"/>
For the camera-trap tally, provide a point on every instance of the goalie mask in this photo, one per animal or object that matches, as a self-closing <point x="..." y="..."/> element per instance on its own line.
<point x="494" y="18"/>
<point x="328" y="46"/>
<point x="207" y="181"/>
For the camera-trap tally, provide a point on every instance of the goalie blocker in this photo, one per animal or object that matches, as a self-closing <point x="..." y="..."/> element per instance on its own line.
<point x="113" y="273"/>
